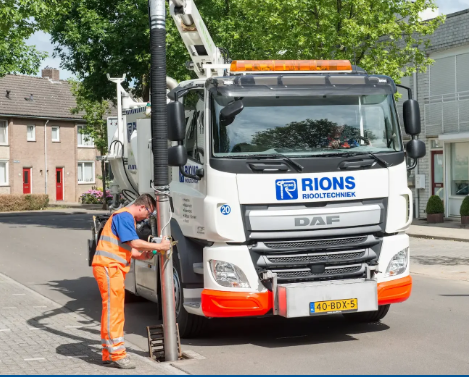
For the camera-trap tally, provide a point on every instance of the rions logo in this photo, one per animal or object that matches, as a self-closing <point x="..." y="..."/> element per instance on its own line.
<point x="287" y="189"/>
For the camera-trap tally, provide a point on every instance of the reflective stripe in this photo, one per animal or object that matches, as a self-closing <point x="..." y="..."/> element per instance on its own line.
<point x="115" y="242"/>
<point x="108" y="304"/>
<point x="114" y="349"/>
<point x="112" y="341"/>
<point x="109" y="255"/>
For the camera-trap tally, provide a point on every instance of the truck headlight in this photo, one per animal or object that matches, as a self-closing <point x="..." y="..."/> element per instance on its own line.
<point x="398" y="263"/>
<point x="228" y="275"/>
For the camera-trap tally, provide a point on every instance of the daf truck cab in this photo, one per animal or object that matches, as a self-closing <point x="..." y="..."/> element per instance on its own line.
<point x="289" y="187"/>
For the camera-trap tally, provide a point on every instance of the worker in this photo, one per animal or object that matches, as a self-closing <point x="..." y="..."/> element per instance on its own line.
<point x="117" y="244"/>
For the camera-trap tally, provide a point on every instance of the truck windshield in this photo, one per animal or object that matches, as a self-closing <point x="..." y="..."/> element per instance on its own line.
<point x="305" y="126"/>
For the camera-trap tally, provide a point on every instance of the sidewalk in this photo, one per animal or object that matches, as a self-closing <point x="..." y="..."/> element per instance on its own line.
<point x="38" y="336"/>
<point x="449" y="230"/>
<point x="53" y="212"/>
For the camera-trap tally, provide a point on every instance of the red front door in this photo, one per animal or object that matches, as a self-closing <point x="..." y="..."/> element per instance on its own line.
<point x="59" y="184"/>
<point x="26" y="180"/>
<point x="437" y="174"/>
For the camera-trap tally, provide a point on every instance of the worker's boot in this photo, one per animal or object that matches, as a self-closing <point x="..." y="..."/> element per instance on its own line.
<point x="124" y="363"/>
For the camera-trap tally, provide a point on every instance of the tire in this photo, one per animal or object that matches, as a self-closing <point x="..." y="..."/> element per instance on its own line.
<point x="365" y="317"/>
<point x="190" y="325"/>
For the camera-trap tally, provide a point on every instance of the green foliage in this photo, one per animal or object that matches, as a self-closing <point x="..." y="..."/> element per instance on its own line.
<point x="464" y="210"/>
<point x="33" y="202"/>
<point x="434" y="205"/>
<point x="95" y="196"/>
<point x="304" y="135"/>
<point x="94" y="113"/>
<point x="112" y="36"/>
<point x="19" y="19"/>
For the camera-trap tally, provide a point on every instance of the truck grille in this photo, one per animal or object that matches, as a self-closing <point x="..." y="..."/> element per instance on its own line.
<point x="324" y="243"/>
<point x="317" y="259"/>
<point x="314" y="258"/>
<point x="308" y="274"/>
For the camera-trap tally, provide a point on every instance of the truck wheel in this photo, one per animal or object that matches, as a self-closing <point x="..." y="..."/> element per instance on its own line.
<point x="373" y="316"/>
<point x="190" y="325"/>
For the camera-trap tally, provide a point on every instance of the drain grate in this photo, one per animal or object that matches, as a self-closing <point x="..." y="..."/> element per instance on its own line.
<point x="156" y="342"/>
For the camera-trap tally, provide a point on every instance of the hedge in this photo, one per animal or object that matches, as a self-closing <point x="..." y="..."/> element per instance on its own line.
<point x="10" y="203"/>
<point x="464" y="211"/>
<point x="435" y="205"/>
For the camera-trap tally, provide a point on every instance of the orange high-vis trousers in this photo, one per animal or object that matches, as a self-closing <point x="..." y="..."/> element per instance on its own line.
<point x="111" y="285"/>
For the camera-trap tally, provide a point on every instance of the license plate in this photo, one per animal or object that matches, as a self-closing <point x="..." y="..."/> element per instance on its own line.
<point x="333" y="306"/>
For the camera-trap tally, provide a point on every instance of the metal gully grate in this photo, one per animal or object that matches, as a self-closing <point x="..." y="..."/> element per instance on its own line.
<point x="156" y="342"/>
<point x="325" y="243"/>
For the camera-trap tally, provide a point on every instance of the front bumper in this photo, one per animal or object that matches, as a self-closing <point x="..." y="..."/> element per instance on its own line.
<point x="235" y="304"/>
<point x="226" y="304"/>
<point x="394" y="291"/>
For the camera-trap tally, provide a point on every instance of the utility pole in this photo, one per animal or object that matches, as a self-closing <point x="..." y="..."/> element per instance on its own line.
<point x="159" y="135"/>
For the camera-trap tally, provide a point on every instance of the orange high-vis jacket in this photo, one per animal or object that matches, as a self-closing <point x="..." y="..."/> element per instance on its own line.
<point x="110" y="251"/>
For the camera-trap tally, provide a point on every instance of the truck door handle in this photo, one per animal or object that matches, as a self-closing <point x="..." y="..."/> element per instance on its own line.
<point x="356" y="164"/>
<point x="268" y="167"/>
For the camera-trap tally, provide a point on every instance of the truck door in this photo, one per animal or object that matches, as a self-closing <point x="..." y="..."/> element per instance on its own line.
<point x="189" y="194"/>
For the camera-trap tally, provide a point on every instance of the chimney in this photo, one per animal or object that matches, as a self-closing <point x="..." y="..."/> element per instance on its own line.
<point x="51" y="73"/>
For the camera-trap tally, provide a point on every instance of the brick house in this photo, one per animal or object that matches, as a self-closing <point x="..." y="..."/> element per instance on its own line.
<point x="41" y="148"/>
<point x="443" y="94"/>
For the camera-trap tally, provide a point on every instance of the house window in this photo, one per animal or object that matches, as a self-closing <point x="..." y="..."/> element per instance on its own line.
<point x="31" y="133"/>
<point x="460" y="169"/>
<point x="86" y="172"/>
<point x="83" y="139"/>
<point x="3" y="173"/>
<point x="55" y="133"/>
<point x="3" y="132"/>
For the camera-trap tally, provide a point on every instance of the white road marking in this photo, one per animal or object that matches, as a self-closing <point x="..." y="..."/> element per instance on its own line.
<point x="39" y="306"/>
<point x="5" y="329"/>
<point x="9" y="307"/>
<point x="35" y="359"/>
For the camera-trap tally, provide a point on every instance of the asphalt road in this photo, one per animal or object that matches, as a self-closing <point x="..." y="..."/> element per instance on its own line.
<point x="429" y="334"/>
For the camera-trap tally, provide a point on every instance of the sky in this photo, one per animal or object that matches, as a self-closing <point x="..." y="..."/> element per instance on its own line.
<point x="42" y="40"/>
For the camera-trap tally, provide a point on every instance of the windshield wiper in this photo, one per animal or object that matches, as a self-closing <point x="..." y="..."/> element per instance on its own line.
<point x="379" y="160"/>
<point x="353" y="154"/>
<point x="295" y="164"/>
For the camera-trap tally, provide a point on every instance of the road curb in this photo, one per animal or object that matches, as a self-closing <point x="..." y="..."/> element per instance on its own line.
<point x="163" y="368"/>
<point x="443" y="238"/>
<point x="44" y="213"/>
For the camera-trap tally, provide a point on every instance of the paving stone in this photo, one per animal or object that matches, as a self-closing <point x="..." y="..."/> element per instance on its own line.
<point x="54" y="348"/>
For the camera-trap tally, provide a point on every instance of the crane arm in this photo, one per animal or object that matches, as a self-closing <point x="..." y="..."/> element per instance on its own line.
<point x="197" y="39"/>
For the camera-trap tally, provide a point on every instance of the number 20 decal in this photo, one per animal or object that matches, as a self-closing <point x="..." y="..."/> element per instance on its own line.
<point x="225" y="209"/>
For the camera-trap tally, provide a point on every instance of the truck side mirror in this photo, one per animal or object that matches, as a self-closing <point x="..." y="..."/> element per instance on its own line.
<point x="415" y="149"/>
<point x="412" y="117"/>
<point x="177" y="156"/>
<point x="176" y="121"/>
<point x="228" y="114"/>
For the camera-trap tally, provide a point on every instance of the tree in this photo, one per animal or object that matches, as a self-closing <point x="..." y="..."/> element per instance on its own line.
<point x="19" y="19"/>
<point x="95" y="37"/>
<point x="304" y="135"/>
<point x="381" y="36"/>
<point x="93" y="113"/>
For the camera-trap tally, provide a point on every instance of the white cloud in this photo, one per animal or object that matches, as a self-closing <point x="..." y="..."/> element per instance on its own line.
<point x="451" y="6"/>
<point x="42" y="42"/>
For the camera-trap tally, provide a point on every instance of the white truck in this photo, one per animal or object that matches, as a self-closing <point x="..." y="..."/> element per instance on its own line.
<point x="289" y="185"/>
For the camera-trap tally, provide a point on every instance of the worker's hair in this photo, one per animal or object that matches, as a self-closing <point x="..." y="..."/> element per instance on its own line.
<point x="146" y="200"/>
